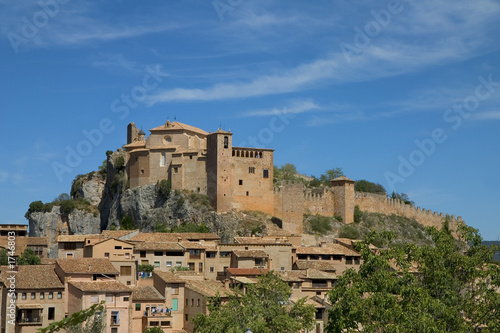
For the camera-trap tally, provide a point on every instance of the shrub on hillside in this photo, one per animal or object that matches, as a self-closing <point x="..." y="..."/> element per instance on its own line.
<point x="366" y="186"/>
<point x="349" y="231"/>
<point x="320" y="224"/>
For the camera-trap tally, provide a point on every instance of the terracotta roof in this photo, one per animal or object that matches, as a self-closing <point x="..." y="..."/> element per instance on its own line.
<point x="343" y="178"/>
<point x="173" y="237"/>
<point x="37" y="241"/>
<point x="48" y="261"/>
<point x="192" y="245"/>
<point x="260" y="240"/>
<point x="351" y="242"/>
<point x="250" y="253"/>
<point x="291" y="276"/>
<point x="178" y="126"/>
<point x="329" y="249"/>
<point x="35" y="277"/>
<point x="72" y="238"/>
<point x="146" y="293"/>
<point x="176" y="277"/>
<point x="247" y="271"/>
<point x="315" y="274"/>
<point x="87" y="266"/>
<point x="159" y="246"/>
<point x="117" y="233"/>
<point x="309" y="301"/>
<point x="100" y="286"/>
<point x="208" y="288"/>
<point x="135" y="144"/>
<point x="109" y="239"/>
<point x="316" y="264"/>
<point x="245" y="280"/>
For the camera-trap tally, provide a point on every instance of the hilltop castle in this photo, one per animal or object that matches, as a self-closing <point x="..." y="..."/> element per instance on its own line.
<point x="232" y="177"/>
<point x="242" y="178"/>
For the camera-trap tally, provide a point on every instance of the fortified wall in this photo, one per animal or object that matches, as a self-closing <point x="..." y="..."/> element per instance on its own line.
<point x="378" y="203"/>
<point x="292" y="200"/>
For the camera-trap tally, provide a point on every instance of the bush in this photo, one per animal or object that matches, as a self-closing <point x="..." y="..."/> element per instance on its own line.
<point x="366" y="186"/>
<point x="145" y="268"/>
<point x="120" y="163"/>
<point x="338" y="217"/>
<point x="103" y="168"/>
<point x="348" y="231"/>
<point x="128" y="223"/>
<point x="28" y="257"/>
<point x="163" y="188"/>
<point x="192" y="227"/>
<point x="358" y="214"/>
<point x="67" y="206"/>
<point x="320" y="224"/>
<point x="35" y="206"/>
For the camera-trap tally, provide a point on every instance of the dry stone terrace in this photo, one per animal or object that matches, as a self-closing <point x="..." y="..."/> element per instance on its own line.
<point x="188" y="267"/>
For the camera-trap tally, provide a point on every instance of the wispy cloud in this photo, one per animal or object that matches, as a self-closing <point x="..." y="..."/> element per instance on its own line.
<point x="295" y="107"/>
<point x="119" y="61"/>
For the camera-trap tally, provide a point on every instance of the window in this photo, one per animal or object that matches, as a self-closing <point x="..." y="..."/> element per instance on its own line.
<point x="125" y="270"/>
<point x="142" y="171"/>
<point x="192" y="301"/>
<point x="165" y="323"/>
<point x="158" y="253"/>
<point x="226" y="142"/>
<point x="259" y="262"/>
<point x="94" y="299"/>
<point x="137" y="306"/>
<point x="356" y="260"/>
<point x="251" y="170"/>
<point x="210" y="254"/>
<point x="118" y="247"/>
<point x="69" y="255"/>
<point x="163" y="160"/>
<point x="157" y="264"/>
<point x="186" y="317"/>
<point x="144" y="262"/>
<point x="127" y="255"/>
<point x="114" y="330"/>
<point x="174" y="304"/>
<point x="115" y="318"/>
<point x="143" y="254"/>
<point x="109" y="298"/>
<point x="169" y="264"/>
<point x="240" y="182"/>
<point x="348" y="260"/>
<point x="51" y="295"/>
<point x="200" y="267"/>
<point x="191" y="266"/>
<point x="33" y="295"/>
<point x="106" y="254"/>
<point x="52" y="313"/>
<point x="126" y="298"/>
<point x="42" y="295"/>
<point x="154" y="323"/>
<point x="265" y="173"/>
<point x="178" y="263"/>
<point x="59" y="294"/>
<point x="248" y="193"/>
<point x="212" y="269"/>
<point x="198" y="303"/>
<point x="176" y="170"/>
<point x="224" y="254"/>
<point x="175" y="289"/>
<point x="23" y="295"/>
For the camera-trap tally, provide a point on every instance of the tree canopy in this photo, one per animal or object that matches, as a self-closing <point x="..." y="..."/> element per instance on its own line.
<point x="28" y="257"/>
<point x="451" y="286"/>
<point x="264" y="308"/>
<point x="366" y="186"/>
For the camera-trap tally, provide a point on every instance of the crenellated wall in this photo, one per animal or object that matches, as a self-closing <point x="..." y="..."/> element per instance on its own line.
<point x="319" y="202"/>
<point x="377" y="203"/>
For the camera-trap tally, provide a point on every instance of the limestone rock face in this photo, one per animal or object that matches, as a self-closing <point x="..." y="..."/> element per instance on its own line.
<point x="45" y="224"/>
<point x="91" y="189"/>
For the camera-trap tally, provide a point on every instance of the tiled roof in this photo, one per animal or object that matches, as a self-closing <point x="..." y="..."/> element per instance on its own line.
<point x="87" y="266"/>
<point x="315" y="274"/>
<point x="176" y="277"/>
<point x="351" y="242"/>
<point x="72" y="238"/>
<point x="100" y="286"/>
<point x="48" y="261"/>
<point x="260" y="240"/>
<point x="173" y="237"/>
<point x="116" y="233"/>
<point x="246" y="271"/>
<point x="110" y="239"/>
<point x="35" y="277"/>
<point x="343" y="178"/>
<point x="291" y="276"/>
<point x="146" y="293"/>
<point x="250" y="253"/>
<point x="37" y="241"/>
<point x="208" y="288"/>
<point x="157" y="246"/>
<point x="176" y="126"/>
<point x="192" y="245"/>
<point x="316" y="264"/>
<point x="327" y="249"/>
<point x="135" y="144"/>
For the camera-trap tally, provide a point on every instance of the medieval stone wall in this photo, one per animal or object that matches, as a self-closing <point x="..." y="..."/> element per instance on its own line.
<point x="376" y="203"/>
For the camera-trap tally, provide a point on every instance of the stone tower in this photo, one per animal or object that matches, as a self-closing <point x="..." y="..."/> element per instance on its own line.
<point x="291" y="199"/>
<point x="219" y="166"/>
<point x="343" y="191"/>
<point x="132" y="133"/>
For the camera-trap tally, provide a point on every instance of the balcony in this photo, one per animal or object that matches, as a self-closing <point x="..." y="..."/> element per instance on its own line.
<point x="319" y="285"/>
<point x="26" y="321"/>
<point x="29" y="314"/>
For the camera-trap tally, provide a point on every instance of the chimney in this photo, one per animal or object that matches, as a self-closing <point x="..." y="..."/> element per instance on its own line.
<point x="323" y="244"/>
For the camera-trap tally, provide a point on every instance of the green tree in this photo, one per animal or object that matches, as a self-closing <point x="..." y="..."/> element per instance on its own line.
<point x="366" y="186"/>
<point x="28" y="257"/>
<point x="35" y="206"/>
<point x="265" y="308"/>
<point x="403" y="197"/>
<point x="287" y="172"/>
<point x="4" y="257"/>
<point x="89" y="320"/>
<point x="62" y="197"/>
<point x="330" y="175"/>
<point x="449" y="287"/>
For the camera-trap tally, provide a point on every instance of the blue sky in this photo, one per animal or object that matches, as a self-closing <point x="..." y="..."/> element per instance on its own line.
<point x="403" y="93"/>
